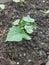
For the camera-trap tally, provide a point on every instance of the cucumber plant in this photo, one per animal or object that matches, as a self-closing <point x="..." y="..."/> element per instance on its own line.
<point x="21" y="29"/>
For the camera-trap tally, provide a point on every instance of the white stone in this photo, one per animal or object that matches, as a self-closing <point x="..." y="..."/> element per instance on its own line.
<point x="17" y="63"/>
<point x="43" y="0"/>
<point x="47" y="63"/>
<point x="29" y="60"/>
<point x="24" y="54"/>
<point x="42" y="43"/>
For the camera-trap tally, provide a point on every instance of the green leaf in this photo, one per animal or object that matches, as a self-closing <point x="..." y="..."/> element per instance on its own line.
<point x="28" y="19"/>
<point x="16" y="1"/>
<point x="26" y="36"/>
<point x="22" y="1"/>
<point x="47" y="11"/>
<point x="29" y="29"/>
<point x="16" y="34"/>
<point x="34" y="26"/>
<point x="2" y="6"/>
<point x="22" y="23"/>
<point x="15" y="37"/>
<point x="15" y="29"/>
<point x="16" y="22"/>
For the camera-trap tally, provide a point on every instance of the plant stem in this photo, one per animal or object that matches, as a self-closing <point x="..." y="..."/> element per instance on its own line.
<point x="21" y="2"/>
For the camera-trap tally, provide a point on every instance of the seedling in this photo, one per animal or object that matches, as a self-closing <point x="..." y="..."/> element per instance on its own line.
<point x="20" y="1"/>
<point x="21" y="29"/>
<point x="2" y="6"/>
<point x="45" y="11"/>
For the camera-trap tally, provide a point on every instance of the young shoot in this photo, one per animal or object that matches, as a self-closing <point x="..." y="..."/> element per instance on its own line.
<point x="21" y="29"/>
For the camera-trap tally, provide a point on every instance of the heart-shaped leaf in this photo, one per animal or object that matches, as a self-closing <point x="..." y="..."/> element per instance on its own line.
<point x="16" y="22"/>
<point x="29" y="29"/>
<point x="28" y="19"/>
<point x="16" y="34"/>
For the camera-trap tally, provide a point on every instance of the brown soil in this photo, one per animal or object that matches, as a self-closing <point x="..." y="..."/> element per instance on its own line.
<point x="25" y="52"/>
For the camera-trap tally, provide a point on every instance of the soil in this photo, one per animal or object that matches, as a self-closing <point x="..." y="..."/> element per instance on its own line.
<point x="25" y="52"/>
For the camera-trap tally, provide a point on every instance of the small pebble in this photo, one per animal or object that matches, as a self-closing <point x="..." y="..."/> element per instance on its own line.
<point x="43" y="1"/>
<point x="20" y="55"/>
<point x="42" y="43"/>
<point x="29" y="60"/>
<point x="24" y="54"/>
<point x="18" y="63"/>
